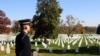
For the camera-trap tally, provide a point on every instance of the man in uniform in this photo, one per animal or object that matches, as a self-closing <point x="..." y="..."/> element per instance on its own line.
<point x="98" y="30"/>
<point x="23" y="46"/>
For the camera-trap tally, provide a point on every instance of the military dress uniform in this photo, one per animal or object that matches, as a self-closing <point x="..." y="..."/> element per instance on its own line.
<point x="98" y="29"/>
<point x="23" y="46"/>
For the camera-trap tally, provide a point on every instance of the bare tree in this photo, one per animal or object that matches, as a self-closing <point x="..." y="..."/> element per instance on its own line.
<point x="15" y="27"/>
<point x="70" y="22"/>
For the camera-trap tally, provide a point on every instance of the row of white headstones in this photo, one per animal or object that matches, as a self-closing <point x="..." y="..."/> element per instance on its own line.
<point x="62" y="39"/>
<point x="6" y="46"/>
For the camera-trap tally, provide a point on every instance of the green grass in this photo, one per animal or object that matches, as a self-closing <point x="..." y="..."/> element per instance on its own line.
<point x="92" y="51"/>
<point x="57" y="50"/>
<point x="3" y="53"/>
<point x="67" y="54"/>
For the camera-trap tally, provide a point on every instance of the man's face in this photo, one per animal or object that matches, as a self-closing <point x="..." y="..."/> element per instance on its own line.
<point x="28" y="28"/>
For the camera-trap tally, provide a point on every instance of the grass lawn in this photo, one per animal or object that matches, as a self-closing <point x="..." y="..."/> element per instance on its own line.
<point x="56" y="53"/>
<point x="5" y="54"/>
<point x="93" y="50"/>
<point x="67" y="54"/>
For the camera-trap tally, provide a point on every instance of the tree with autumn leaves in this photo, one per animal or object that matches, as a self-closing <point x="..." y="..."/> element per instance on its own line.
<point x="4" y="23"/>
<point x="78" y="28"/>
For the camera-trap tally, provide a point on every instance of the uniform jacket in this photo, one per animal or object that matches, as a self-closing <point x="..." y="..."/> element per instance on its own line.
<point x="22" y="47"/>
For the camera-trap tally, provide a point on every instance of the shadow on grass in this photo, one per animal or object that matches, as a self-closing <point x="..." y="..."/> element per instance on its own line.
<point x="93" y="50"/>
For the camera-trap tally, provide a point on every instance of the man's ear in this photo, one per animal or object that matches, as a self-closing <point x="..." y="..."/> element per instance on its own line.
<point x="25" y="27"/>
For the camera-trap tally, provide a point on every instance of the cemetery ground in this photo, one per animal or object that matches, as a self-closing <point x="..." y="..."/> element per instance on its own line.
<point x="92" y="51"/>
<point x="83" y="46"/>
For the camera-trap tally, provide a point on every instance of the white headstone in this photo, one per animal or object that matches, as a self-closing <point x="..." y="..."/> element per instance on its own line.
<point x="44" y="45"/>
<point x="2" y="48"/>
<point x="42" y="39"/>
<point x="49" y="43"/>
<point x="94" y="40"/>
<point x="64" y="50"/>
<point x="37" y="49"/>
<point x="35" y="43"/>
<point x="75" y="42"/>
<point x="35" y="53"/>
<point x="99" y="43"/>
<point x="80" y="43"/>
<point x="8" y="49"/>
<point x="86" y="42"/>
<point x="59" y="42"/>
<point x="4" y="43"/>
<point x="38" y="39"/>
<point x="50" y="50"/>
<point x="90" y="41"/>
<point x="87" y="46"/>
<point x="0" y="45"/>
<point x="56" y="41"/>
<point x="77" y="49"/>
<point x="62" y="45"/>
<point x="11" y="44"/>
<point x="68" y="47"/>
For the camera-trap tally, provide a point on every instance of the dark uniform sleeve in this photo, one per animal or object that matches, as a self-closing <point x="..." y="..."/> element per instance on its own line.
<point x="27" y="46"/>
<point x="18" y="45"/>
<point x="16" y="50"/>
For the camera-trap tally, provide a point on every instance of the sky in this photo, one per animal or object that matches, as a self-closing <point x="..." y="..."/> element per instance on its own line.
<point x="85" y="10"/>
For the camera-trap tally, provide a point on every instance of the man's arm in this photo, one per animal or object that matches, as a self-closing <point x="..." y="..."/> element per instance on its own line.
<point x="26" y="47"/>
